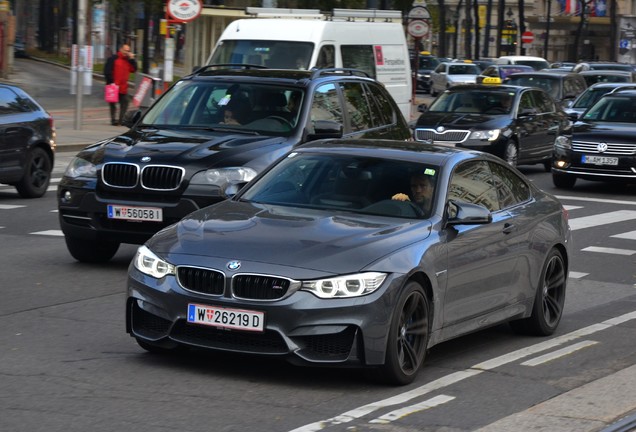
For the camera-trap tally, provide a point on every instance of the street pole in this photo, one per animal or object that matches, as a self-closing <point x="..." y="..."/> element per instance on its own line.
<point x="81" y="24"/>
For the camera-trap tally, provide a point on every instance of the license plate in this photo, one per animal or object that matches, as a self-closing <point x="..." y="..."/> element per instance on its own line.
<point x="148" y="214"/>
<point x="239" y="319"/>
<point x="599" y="160"/>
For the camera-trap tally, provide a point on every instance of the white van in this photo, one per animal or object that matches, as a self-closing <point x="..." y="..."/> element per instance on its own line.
<point x="537" y="63"/>
<point x="378" y="48"/>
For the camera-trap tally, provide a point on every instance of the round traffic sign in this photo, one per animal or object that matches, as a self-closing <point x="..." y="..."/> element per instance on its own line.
<point x="417" y="28"/>
<point x="527" y="37"/>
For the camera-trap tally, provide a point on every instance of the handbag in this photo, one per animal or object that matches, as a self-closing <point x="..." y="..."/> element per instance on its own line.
<point x="111" y="93"/>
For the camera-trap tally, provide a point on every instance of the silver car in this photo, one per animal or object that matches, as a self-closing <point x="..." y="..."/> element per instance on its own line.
<point x="449" y="74"/>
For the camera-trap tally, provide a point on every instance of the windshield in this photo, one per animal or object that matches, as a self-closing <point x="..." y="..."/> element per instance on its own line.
<point x="613" y="109"/>
<point x="337" y="182"/>
<point x="251" y="108"/>
<point x="474" y="101"/>
<point x="273" y="54"/>
<point x="549" y="84"/>
<point x="428" y="63"/>
<point x="463" y="69"/>
<point x="590" y="96"/>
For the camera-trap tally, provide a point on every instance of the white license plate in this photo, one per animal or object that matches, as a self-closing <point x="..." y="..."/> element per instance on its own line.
<point x="226" y="318"/>
<point x="599" y="160"/>
<point x="150" y="214"/>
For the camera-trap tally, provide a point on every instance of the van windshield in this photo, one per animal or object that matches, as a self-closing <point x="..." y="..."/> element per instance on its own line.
<point x="269" y="53"/>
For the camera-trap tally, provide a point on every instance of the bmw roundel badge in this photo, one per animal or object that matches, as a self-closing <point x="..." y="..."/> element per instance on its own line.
<point x="234" y="265"/>
<point x="145" y="159"/>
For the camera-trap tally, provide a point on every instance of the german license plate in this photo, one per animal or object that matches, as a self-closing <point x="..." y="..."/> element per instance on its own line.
<point x="599" y="160"/>
<point x="148" y="214"/>
<point x="239" y="319"/>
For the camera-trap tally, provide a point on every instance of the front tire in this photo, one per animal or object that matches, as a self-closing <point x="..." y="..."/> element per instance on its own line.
<point x="511" y="153"/>
<point x="91" y="251"/>
<point x="563" y="181"/>
<point x="549" y="299"/>
<point x="37" y="174"/>
<point x="408" y="336"/>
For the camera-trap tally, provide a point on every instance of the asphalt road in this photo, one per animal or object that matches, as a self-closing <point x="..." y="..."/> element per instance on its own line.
<point x="66" y="363"/>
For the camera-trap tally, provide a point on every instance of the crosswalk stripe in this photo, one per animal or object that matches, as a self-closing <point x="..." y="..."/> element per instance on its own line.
<point x="614" y="251"/>
<point x="602" y="219"/>
<point x="10" y="206"/>
<point x="577" y="275"/>
<point x="57" y="233"/>
<point x="628" y="235"/>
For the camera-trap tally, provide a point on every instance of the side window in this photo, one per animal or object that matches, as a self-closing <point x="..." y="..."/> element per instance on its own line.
<point x="526" y="103"/>
<point x="545" y="103"/>
<point x="10" y="102"/>
<point x="441" y="68"/>
<point x="326" y="57"/>
<point x="326" y="104"/>
<point x="382" y="109"/>
<point x="359" y="57"/>
<point x="472" y="183"/>
<point x="357" y="105"/>
<point x="511" y="189"/>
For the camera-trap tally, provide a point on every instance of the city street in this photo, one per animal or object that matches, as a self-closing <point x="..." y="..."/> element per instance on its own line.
<point x="67" y="363"/>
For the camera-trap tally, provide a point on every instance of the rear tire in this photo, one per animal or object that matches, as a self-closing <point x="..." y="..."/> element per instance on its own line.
<point x="563" y="181"/>
<point x="511" y="153"/>
<point x="37" y="174"/>
<point x="549" y="299"/>
<point x="91" y="251"/>
<point x="408" y="337"/>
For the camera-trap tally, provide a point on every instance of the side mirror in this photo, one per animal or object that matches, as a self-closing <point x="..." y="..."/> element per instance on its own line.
<point x="422" y="108"/>
<point x="130" y="118"/>
<point x="325" y="129"/>
<point x="573" y="116"/>
<point x="461" y="213"/>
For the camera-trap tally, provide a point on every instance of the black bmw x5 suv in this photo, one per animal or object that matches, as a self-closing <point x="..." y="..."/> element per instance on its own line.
<point x="207" y="135"/>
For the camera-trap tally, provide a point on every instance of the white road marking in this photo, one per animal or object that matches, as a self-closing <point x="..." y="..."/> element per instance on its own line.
<point x="599" y="200"/>
<point x="465" y="374"/>
<point x="558" y="353"/>
<point x="613" y="251"/>
<point x="571" y="207"/>
<point x="628" y="235"/>
<point x="602" y="219"/>
<point x="10" y="206"/>
<point x="403" y="412"/>
<point x="577" y="275"/>
<point x="57" y="233"/>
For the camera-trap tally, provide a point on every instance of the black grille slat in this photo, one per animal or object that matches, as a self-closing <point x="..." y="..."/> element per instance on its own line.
<point x="200" y="280"/>
<point x="445" y="136"/>
<point x="258" y="287"/>
<point x="120" y="175"/>
<point x="161" y="177"/>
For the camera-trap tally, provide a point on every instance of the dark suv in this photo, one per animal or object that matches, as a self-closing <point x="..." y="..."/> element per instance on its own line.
<point x="28" y="142"/>
<point x="210" y="133"/>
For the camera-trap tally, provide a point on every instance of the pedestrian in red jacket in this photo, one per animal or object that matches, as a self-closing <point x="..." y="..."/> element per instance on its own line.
<point x="117" y="70"/>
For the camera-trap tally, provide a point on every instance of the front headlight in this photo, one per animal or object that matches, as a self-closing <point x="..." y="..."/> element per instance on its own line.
<point x="563" y="141"/>
<point x="222" y="176"/>
<point x="79" y="167"/>
<point x="150" y="264"/>
<point x="490" y="135"/>
<point x="354" y="285"/>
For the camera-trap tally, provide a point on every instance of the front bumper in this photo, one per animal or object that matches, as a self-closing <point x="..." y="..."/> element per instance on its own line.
<point x="569" y="162"/>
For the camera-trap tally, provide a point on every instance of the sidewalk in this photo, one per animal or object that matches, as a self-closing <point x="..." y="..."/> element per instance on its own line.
<point x="94" y="126"/>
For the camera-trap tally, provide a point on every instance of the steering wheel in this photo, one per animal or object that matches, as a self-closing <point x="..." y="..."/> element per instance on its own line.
<point x="282" y="120"/>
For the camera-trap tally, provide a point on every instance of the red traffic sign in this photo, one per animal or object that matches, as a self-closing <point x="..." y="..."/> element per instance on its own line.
<point x="527" y="37"/>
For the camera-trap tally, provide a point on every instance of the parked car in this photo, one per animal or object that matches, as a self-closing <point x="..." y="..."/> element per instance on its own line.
<point x="27" y="148"/>
<point x="427" y="63"/>
<point x="483" y="63"/>
<point x="601" y="146"/>
<point x="318" y="262"/>
<point x="563" y="87"/>
<point x="594" y="93"/>
<point x="604" y="76"/>
<point x="447" y="75"/>
<point x="496" y="74"/>
<point x="518" y="124"/>
<point x="186" y="152"/>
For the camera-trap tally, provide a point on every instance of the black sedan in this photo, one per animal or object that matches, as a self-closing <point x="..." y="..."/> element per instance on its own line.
<point x="518" y="124"/>
<point x="328" y="259"/>
<point x="601" y="146"/>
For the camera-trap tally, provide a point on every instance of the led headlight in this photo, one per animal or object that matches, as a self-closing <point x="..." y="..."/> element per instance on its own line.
<point x="223" y="176"/>
<point x="150" y="264"/>
<point x="79" y="167"/>
<point x="563" y="141"/>
<point x="490" y="135"/>
<point x="354" y="285"/>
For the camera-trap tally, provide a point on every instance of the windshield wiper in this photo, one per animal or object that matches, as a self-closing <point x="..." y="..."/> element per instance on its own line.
<point x="220" y="129"/>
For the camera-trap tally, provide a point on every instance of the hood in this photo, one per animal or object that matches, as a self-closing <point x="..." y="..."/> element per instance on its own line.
<point x="274" y="235"/>
<point x="613" y="132"/>
<point x="472" y="121"/>
<point x="180" y="146"/>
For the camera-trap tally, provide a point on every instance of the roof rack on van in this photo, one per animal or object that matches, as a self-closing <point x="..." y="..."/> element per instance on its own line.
<point x="315" y="72"/>
<point x="227" y="66"/>
<point x="349" y="14"/>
